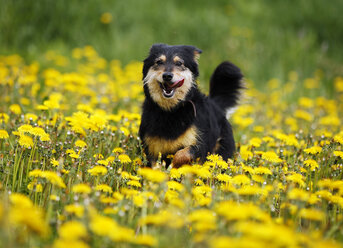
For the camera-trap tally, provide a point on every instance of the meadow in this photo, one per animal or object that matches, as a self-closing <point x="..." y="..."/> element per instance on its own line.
<point x="71" y="163"/>
<point x="72" y="169"/>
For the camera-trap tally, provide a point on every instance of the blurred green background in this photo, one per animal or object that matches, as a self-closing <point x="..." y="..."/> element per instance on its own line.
<point x="265" y="38"/>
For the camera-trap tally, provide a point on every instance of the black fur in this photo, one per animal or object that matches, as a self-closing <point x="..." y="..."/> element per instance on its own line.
<point x="210" y="117"/>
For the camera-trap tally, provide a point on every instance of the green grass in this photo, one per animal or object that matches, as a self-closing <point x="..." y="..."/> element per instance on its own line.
<point x="265" y="38"/>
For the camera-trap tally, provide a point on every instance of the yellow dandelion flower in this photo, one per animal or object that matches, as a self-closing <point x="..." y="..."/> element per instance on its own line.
<point x="73" y="154"/>
<point x="258" y="179"/>
<point x="222" y="164"/>
<point x="240" y="180"/>
<point x="249" y="190"/>
<point x="327" y="195"/>
<point x="271" y="157"/>
<point x="296" y="178"/>
<point x="312" y="214"/>
<point x="97" y="170"/>
<point x="103" y="162"/>
<point x="258" y="129"/>
<point x="134" y="183"/>
<point x="106" y="18"/>
<point x="118" y="150"/>
<point x="223" y="178"/>
<point x="20" y="200"/>
<point x="313" y="150"/>
<point x="80" y="143"/>
<point x="175" y="173"/>
<point x="98" y="156"/>
<point x="298" y="194"/>
<point x="4" y="118"/>
<point x="81" y="188"/>
<point x="124" y="159"/>
<point x="256" y="142"/>
<point x="152" y="175"/>
<point x="306" y="102"/>
<point x="262" y="171"/>
<point x="202" y="215"/>
<point x="24" y="213"/>
<point x="64" y="243"/>
<point x="30" y="117"/>
<point x="339" y="84"/>
<point x="103" y="188"/>
<point x="54" y="197"/>
<point x="36" y="173"/>
<point x="25" y="141"/>
<point x="214" y="157"/>
<point x="3" y="134"/>
<point x="15" y="108"/>
<point x="34" y="186"/>
<point x="203" y="173"/>
<point x="102" y="226"/>
<point x="78" y="210"/>
<point x="172" y="185"/>
<point x="163" y="218"/>
<point x="72" y="230"/>
<point x="338" y="138"/>
<point x="311" y="163"/>
<point x="171" y="195"/>
<point x="246" y="154"/>
<point x="145" y="240"/>
<point x="110" y="210"/>
<point x="53" y="178"/>
<point x="231" y="210"/>
<point x="125" y="175"/>
<point x="125" y="131"/>
<point x="138" y="200"/>
<point x="54" y="162"/>
<point x="338" y="154"/>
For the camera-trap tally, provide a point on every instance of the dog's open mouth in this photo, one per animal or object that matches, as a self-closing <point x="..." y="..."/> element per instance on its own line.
<point x="169" y="89"/>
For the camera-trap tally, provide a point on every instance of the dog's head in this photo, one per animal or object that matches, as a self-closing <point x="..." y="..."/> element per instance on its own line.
<point x="169" y="73"/>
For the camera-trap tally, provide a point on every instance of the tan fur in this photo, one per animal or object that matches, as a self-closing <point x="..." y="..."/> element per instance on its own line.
<point x="165" y="146"/>
<point x="177" y="58"/>
<point x="217" y="146"/>
<point x="153" y="78"/>
<point x="182" y="157"/>
<point x="196" y="56"/>
<point x="163" y="58"/>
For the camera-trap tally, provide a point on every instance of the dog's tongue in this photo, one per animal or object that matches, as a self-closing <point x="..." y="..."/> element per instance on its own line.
<point x="176" y="84"/>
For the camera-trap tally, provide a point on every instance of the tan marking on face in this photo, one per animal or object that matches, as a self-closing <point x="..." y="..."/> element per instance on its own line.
<point x="177" y="58"/>
<point x="152" y="80"/>
<point x="163" y="58"/>
<point x="166" y="146"/>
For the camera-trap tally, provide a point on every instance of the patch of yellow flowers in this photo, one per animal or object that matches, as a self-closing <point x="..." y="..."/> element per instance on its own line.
<point x="72" y="168"/>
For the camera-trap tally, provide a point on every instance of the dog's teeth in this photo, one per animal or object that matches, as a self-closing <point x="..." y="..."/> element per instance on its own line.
<point x="168" y="93"/>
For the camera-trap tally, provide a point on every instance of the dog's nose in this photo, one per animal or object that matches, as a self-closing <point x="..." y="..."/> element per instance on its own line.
<point x="167" y="76"/>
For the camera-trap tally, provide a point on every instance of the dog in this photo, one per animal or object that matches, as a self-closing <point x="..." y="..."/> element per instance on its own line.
<point x="177" y="119"/>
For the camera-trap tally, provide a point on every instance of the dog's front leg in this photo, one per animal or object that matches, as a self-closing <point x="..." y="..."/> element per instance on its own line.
<point x="183" y="156"/>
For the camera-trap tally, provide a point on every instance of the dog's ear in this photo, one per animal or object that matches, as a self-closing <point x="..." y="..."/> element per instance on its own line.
<point x="197" y="53"/>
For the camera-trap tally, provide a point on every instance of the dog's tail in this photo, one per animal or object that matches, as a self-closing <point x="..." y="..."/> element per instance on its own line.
<point x="225" y="85"/>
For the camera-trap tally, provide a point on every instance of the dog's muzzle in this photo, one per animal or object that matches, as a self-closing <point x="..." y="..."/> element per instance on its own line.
<point x="168" y="88"/>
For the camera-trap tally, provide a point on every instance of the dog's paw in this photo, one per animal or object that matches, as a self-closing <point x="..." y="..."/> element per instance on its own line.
<point x="182" y="157"/>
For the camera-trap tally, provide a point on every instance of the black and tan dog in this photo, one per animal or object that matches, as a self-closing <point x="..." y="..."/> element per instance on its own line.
<point x="177" y="118"/>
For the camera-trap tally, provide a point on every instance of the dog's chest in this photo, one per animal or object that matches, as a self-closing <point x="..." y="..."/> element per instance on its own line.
<point x="157" y="144"/>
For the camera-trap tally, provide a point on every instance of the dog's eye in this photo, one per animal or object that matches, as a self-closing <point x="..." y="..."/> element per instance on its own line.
<point x="178" y="63"/>
<point x="159" y="62"/>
